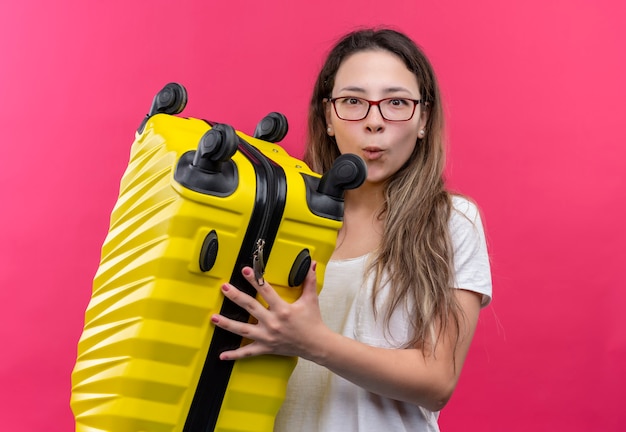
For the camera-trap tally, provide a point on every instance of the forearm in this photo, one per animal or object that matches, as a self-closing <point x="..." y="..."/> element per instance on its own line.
<point x="410" y="375"/>
<point x="296" y="329"/>
<point x="401" y="374"/>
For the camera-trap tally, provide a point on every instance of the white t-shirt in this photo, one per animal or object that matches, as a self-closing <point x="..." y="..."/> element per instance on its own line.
<point x="320" y="401"/>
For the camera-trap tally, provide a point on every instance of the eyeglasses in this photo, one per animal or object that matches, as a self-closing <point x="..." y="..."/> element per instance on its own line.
<point x="391" y="109"/>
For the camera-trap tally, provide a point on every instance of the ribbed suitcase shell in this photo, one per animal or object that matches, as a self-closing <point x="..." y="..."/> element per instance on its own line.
<point x="147" y="327"/>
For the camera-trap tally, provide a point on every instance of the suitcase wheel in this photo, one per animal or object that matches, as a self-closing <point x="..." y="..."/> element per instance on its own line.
<point x="300" y="268"/>
<point x="208" y="253"/>
<point x="216" y="146"/>
<point x="272" y="128"/>
<point x="170" y="100"/>
<point x="348" y="172"/>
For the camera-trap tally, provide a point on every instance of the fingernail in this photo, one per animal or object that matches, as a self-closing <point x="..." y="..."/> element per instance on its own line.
<point x="225" y="287"/>
<point x="314" y="266"/>
<point x="247" y="271"/>
<point x="215" y="319"/>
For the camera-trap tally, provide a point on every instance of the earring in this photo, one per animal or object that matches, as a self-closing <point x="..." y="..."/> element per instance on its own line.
<point x="329" y="129"/>
<point x="422" y="132"/>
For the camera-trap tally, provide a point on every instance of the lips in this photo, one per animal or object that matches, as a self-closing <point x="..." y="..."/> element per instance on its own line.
<point x="372" y="153"/>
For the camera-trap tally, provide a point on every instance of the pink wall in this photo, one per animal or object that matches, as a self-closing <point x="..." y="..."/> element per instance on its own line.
<point x="535" y="94"/>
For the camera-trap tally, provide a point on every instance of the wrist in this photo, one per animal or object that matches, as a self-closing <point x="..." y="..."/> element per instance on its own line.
<point x="321" y="347"/>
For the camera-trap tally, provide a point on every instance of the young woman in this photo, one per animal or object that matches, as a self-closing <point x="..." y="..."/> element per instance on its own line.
<point x="383" y="345"/>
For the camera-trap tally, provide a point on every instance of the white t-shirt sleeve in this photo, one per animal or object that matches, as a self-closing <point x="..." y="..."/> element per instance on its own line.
<point x="471" y="261"/>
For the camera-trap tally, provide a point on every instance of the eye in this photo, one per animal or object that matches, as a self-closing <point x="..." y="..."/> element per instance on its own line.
<point x="399" y="103"/>
<point x="351" y="101"/>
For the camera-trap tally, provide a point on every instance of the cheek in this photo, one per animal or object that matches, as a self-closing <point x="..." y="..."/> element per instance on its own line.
<point x="345" y="138"/>
<point x="344" y="148"/>
<point x="409" y="141"/>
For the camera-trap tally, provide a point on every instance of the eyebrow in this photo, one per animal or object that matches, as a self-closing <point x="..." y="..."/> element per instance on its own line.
<point x="387" y="90"/>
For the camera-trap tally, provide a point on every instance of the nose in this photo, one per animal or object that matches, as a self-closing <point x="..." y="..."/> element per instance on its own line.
<point x="374" y="121"/>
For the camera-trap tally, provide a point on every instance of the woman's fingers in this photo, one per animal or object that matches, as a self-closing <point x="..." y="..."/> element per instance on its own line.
<point x="309" y="286"/>
<point x="244" y="300"/>
<point x="245" y="351"/>
<point x="266" y="291"/>
<point x="243" y="329"/>
<point x="281" y="328"/>
<point x="240" y="328"/>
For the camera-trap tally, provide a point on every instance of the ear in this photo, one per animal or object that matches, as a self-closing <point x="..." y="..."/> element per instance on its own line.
<point x="329" y="123"/>
<point x="424" y="112"/>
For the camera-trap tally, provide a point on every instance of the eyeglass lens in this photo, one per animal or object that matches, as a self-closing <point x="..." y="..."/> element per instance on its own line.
<point x="395" y="109"/>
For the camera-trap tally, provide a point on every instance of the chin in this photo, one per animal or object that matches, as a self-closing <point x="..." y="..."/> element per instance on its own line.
<point x="376" y="180"/>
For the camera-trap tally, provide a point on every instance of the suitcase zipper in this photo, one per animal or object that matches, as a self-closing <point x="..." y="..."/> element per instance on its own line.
<point x="264" y="223"/>
<point x="258" y="262"/>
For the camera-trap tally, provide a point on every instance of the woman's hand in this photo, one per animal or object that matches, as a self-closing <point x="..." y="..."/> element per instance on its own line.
<point x="290" y="329"/>
<point x="297" y="329"/>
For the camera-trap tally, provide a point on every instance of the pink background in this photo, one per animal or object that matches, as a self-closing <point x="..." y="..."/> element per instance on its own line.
<point x="535" y="95"/>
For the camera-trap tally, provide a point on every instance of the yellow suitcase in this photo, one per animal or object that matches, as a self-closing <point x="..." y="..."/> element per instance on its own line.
<point x="199" y="201"/>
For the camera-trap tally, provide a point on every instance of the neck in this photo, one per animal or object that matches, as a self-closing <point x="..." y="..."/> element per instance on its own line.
<point x="368" y="198"/>
<point x="362" y="228"/>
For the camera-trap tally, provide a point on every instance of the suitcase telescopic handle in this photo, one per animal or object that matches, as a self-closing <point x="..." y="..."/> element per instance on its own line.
<point x="348" y="172"/>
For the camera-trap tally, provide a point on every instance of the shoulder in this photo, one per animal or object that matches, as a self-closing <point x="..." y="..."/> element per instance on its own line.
<point x="464" y="215"/>
<point x="464" y="205"/>
<point x="471" y="259"/>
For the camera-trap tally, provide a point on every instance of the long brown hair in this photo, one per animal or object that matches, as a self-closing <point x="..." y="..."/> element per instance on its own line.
<point x="415" y="254"/>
